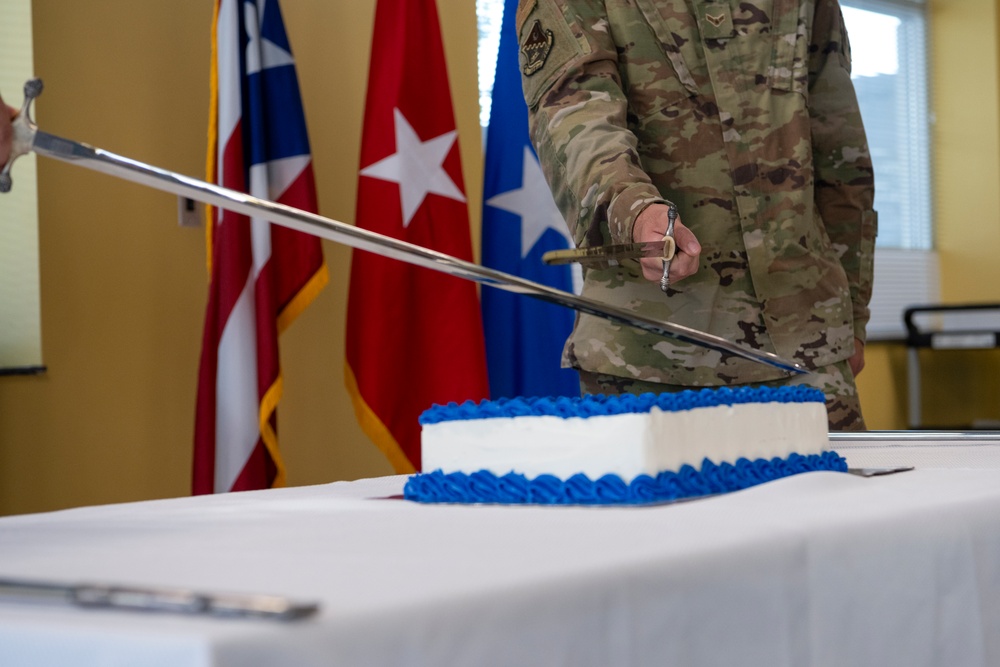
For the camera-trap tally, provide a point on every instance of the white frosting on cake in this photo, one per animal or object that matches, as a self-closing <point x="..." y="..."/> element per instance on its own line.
<point x="624" y="444"/>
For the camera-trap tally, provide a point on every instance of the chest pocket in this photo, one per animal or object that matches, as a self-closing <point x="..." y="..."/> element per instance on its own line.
<point x="789" y="68"/>
<point x="676" y="31"/>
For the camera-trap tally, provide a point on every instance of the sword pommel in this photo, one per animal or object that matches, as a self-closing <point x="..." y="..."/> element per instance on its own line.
<point x="33" y="88"/>
<point x="24" y="131"/>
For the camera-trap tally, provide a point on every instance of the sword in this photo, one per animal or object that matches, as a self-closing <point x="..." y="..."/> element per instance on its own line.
<point x="28" y="138"/>
<point x="606" y="256"/>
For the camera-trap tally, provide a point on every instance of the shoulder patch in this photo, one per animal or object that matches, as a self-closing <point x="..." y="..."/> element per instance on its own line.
<point x="536" y="47"/>
<point x="547" y="46"/>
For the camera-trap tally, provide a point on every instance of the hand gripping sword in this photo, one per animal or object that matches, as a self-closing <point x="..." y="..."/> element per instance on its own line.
<point x="28" y="138"/>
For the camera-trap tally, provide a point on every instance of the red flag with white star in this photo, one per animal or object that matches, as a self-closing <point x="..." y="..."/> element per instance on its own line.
<point x="414" y="336"/>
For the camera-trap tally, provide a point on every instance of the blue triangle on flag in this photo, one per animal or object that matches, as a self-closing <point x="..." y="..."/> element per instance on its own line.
<point x="524" y="336"/>
<point x="273" y="117"/>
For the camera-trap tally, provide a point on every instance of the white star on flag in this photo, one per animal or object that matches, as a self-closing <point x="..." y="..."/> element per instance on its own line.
<point x="533" y="202"/>
<point x="265" y="54"/>
<point x="417" y="167"/>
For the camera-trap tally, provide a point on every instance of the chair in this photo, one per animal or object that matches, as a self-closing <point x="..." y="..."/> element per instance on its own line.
<point x="941" y="327"/>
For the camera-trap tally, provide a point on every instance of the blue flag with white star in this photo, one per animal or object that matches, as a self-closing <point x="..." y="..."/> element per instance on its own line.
<point x="524" y="336"/>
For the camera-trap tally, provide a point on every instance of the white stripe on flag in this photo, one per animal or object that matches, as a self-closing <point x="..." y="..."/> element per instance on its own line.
<point x="228" y="59"/>
<point x="269" y="180"/>
<point x="237" y="426"/>
<point x="279" y="174"/>
<point x="236" y="421"/>
<point x="260" y="229"/>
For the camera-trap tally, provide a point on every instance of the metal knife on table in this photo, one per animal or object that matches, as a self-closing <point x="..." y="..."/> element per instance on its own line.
<point x="154" y="599"/>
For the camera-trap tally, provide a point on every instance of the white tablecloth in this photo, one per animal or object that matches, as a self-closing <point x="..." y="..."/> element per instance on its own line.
<point x="817" y="569"/>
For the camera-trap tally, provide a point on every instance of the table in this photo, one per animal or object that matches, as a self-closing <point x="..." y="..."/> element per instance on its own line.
<point x="817" y="569"/>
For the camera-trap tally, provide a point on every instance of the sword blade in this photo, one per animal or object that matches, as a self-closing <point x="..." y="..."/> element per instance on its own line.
<point x="109" y="163"/>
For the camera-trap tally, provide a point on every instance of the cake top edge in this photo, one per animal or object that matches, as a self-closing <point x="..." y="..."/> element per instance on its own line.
<point x="598" y="404"/>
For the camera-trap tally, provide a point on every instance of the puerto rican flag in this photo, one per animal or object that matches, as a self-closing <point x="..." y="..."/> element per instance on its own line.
<point x="262" y="276"/>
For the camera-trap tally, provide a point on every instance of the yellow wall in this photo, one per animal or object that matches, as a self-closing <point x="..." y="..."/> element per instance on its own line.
<point x="958" y="387"/>
<point x="123" y="288"/>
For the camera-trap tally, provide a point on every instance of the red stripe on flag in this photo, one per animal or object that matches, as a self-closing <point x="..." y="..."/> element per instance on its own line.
<point x="231" y="253"/>
<point x="291" y="249"/>
<point x="258" y="467"/>
<point x="203" y="475"/>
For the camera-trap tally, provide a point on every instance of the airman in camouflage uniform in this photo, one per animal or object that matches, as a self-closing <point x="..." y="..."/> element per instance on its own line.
<point x="743" y="115"/>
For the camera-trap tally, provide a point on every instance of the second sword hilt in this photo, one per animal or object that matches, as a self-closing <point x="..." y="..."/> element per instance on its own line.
<point x="24" y="132"/>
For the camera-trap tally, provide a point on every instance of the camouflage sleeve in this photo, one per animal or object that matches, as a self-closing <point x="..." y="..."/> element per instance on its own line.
<point x="845" y="185"/>
<point x="577" y="117"/>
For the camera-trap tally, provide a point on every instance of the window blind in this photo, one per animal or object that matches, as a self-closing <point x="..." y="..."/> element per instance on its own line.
<point x="20" y="320"/>
<point x="889" y="56"/>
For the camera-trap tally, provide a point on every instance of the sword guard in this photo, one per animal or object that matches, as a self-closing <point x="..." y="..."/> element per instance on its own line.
<point x="24" y="132"/>
<point x="668" y="239"/>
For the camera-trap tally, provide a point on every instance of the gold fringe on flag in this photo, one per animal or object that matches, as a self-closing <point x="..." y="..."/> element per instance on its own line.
<point x="374" y="428"/>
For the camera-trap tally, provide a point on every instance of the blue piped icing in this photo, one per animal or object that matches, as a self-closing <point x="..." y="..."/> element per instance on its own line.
<point x="597" y="405"/>
<point x="515" y="489"/>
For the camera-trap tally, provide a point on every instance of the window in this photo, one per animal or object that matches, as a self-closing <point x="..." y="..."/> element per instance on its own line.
<point x="888" y="43"/>
<point x="20" y="333"/>
<point x="889" y="47"/>
<point x="489" y="14"/>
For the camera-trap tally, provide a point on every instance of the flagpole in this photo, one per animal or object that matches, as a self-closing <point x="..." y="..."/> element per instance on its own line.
<point x="27" y="138"/>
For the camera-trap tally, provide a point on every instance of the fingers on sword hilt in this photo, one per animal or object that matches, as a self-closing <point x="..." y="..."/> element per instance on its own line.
<point x="671" y="219"/>
<point x="24" y="131"/>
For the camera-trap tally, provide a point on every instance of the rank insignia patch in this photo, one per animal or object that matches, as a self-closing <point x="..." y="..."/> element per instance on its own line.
<point x="536" y="48"/>
<point x="715" y="20"/>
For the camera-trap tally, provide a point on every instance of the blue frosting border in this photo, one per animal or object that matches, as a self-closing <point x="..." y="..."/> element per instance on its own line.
<point x="516" y="489"/>
<point x="596" y="405"/>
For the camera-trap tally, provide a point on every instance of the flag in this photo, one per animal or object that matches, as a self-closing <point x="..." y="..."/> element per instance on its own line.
<point x="414" y="336"/>
<point x="262" y="276"/>
<point x="524" y="337"/>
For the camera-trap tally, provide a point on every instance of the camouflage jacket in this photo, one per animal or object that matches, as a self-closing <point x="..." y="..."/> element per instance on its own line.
<point x="744" y="115"/>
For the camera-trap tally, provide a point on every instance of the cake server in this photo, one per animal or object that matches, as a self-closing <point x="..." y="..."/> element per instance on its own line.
<point x="171" y="600"/>
<point x="28" y="138"/>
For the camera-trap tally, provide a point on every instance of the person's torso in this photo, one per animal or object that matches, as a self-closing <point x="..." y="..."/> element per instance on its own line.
<point x="718" y="97"/>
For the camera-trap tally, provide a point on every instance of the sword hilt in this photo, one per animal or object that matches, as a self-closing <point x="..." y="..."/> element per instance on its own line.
<point x="671" y="219"/>
<point x="24" y="132"/>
